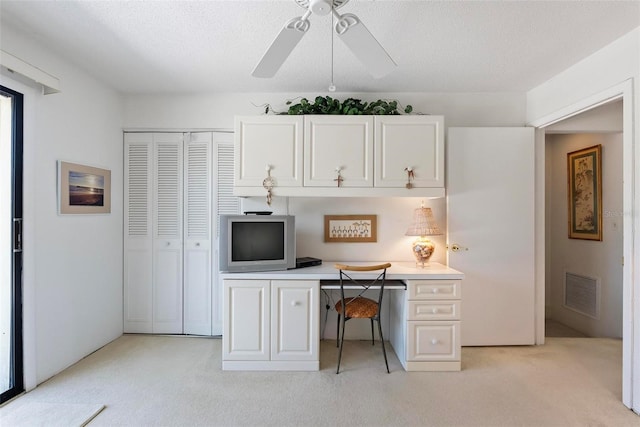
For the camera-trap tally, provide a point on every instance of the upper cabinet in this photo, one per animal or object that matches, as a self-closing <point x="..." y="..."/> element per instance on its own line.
<point x="339" y="156"/>
<point x="338" y="151"/>
<point x="268" y="145"/>
<point x="409" y="151"/>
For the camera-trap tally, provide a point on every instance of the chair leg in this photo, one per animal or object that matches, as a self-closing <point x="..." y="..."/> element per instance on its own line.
<point x="338" y="331"/>
<point x="372" y="339"/>
<point x="384" y="352"/>
<point x="344" y="320"/>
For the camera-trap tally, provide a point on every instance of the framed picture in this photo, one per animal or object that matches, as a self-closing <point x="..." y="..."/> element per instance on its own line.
<point x="83" y="189"/>
<point x="350" y="228"/>
<point x="584" y="169"/>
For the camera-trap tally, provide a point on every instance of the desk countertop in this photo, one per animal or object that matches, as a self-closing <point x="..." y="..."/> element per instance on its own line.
<point x="399" y="270"/>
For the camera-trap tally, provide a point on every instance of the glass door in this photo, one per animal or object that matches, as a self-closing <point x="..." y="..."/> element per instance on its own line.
<point x="11" y="362"/>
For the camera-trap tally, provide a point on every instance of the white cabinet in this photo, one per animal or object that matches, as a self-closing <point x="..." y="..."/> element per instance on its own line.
<point x="268" y="142"/>
<point x="368" y="156"/>
<point x="246" y="308"/>
<point x="425" y="321"/>
<point x="167" y="261"/>
<point x="338" y="151"/>
<point x="409" y="149"/>
<point x="270" y="325"/>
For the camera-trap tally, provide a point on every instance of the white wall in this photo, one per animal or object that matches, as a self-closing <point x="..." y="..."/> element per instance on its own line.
<point x="216" y="111"/>
<point x="73" y="264"/>
<point x="600" y="260"/>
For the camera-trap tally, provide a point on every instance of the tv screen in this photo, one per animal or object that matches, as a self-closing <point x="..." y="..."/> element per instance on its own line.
<point x="255" y="241"/>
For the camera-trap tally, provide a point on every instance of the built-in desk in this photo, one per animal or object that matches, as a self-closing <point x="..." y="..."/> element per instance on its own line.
<point x="271" y="319"/>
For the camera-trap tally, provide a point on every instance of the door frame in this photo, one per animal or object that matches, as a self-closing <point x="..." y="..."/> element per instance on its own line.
<point x="17" y="168"/>
<point x="630" y="308"/>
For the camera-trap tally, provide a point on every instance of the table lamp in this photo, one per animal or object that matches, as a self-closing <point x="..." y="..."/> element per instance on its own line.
<point x="423" y="225"/>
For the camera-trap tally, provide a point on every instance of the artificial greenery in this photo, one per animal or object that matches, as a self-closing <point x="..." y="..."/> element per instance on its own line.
<point x="350" y="107"/>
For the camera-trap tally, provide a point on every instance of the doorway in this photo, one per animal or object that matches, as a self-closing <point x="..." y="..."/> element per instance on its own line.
<point x="11" y="142"/>
<point x="630" y="359"/>
<point x="584" y="278"/>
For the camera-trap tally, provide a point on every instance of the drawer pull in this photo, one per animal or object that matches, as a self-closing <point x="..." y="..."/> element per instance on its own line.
<point x="434" y="310"/>
<point x="435" y="290"/>
<point x="434" y="341"/>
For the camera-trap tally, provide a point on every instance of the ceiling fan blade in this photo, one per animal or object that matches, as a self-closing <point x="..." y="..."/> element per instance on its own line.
<point x="281" y="47"/>
<point x="363" y="45"/>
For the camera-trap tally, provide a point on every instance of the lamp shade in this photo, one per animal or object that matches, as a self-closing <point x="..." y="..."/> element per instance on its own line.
<point x="423" y="224"/>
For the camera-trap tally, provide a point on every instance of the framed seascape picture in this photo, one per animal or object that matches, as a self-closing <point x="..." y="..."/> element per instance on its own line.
<point x="83" y="189"/>
<point x="584" y="169"/>
<point x="350" y="228"/>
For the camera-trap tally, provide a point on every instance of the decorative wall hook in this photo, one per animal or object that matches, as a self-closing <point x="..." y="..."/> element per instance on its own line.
<point x="410" y="177"/>
<point x="339" y="178"/>
<point x="268" y="183"/>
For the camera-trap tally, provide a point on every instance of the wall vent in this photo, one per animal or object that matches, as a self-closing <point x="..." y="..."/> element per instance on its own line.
<point x="582" y="294"/>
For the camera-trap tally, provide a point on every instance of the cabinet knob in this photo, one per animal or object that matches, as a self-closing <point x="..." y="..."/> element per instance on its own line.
<point x="434" y="341"/>
<point x="197" y="243"/>
<point x="168" y="244"/>
<point x="434" y="311"/>
<point x="435" y="290"/>
<point x="295" y="303"/>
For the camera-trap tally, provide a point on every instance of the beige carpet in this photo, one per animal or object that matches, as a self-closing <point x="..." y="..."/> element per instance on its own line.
<point x="28" y="413"/>
<point x="177" y="381"/>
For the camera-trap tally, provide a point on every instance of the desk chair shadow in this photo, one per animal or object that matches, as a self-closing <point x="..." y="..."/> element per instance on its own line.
<point x="359" y="307"/>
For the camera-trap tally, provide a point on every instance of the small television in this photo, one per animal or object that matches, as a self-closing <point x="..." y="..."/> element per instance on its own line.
<point x="257" y="243"/>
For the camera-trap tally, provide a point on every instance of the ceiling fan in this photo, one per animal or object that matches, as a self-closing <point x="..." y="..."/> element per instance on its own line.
<point x="348" y="27"/>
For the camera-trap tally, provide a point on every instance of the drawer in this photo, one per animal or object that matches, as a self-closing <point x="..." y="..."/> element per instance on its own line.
<point x="434" y="310"/>
<point x="433" y="341"/>
<point x="434" y="289"/>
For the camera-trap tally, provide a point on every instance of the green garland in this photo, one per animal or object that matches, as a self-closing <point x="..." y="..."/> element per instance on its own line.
<point x="350" y="107"/>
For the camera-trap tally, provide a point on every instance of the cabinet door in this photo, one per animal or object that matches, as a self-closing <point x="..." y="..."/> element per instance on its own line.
<point x="273" y="142"/>
<point x="138" y="242"/>
<point x="246" y="308"/>
<point x="433" y="341"/>
<point x="294" y="320"/>
<point x="341" y="144"/>
<point x="409" y="142"/>
<point x="167" y="228"/>
<point x="197" y="233"/>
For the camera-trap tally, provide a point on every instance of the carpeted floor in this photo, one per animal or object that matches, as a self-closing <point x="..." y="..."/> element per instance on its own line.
<point x="177" y="381"/>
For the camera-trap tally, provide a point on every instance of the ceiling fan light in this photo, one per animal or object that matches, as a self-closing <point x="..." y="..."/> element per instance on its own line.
<point x="320" y="7"/>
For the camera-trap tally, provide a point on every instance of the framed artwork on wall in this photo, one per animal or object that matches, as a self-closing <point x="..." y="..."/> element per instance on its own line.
<point x="584" y="169"/>
<point x="350" y="228"/>
<point x="83" y="189"/>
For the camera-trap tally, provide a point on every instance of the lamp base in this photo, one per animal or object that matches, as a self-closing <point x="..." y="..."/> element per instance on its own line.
<point x="422" y="250"/>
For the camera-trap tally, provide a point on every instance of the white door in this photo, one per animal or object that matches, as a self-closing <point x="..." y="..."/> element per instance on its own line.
<point x="246" y="309"/>
<point x="273" y="141"/>
<point x="197" y="233"/>
<point x="406" y="144"/>
<point x="338" y="145"/>
<point x="167" y="228"/>
<point x="294" y="320"/>
<point x="490" y="196"/>
<point x="138" y="240"/>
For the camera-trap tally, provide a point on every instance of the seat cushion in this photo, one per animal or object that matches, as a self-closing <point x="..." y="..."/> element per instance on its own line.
<point x="358" y="307"/>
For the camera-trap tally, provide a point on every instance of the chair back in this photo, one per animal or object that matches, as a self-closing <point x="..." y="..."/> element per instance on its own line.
<point x="361" y="284"/>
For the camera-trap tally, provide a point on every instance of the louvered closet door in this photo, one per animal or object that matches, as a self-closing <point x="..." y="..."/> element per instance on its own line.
<point x="225" y="203"/>
<point x="197" y="233"/>
<point x="138" y="270"/>
<point x="167" y="228"/>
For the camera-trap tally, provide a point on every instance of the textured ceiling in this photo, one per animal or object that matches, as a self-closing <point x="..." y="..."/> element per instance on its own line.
<point x="212" y="46"/>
